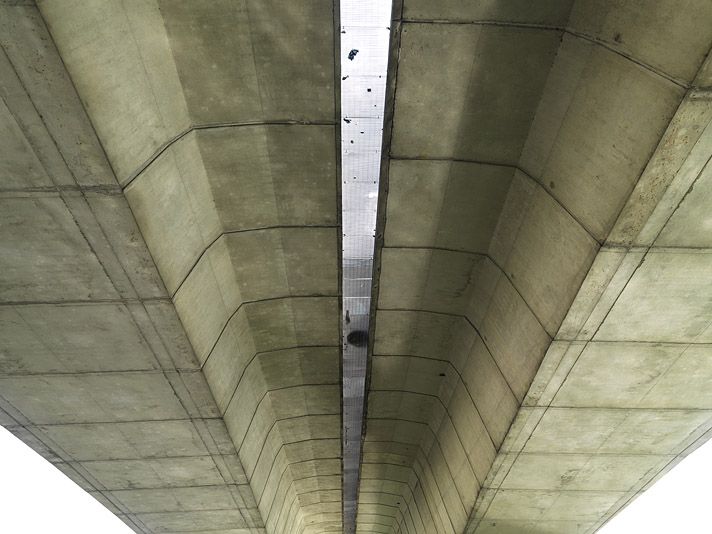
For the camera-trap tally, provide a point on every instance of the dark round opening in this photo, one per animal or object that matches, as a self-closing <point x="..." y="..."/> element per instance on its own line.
<point x="358" y="338"/>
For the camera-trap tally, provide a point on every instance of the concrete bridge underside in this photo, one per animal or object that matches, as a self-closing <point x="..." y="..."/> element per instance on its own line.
<point x="541" y="345"/>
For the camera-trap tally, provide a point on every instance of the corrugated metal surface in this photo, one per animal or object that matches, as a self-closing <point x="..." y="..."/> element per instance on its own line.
<point x="364" y="61"/>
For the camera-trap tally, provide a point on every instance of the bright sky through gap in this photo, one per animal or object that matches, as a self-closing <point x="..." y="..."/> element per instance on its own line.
<point x="365" y="32"/>
<point x="36" y="498"/>
<point x="677" y="503"/>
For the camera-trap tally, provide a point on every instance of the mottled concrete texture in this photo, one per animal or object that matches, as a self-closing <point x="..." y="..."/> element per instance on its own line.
<point x="169" y="308"/>
<point x="169" y="260"/>
<point x="542" y="334"/>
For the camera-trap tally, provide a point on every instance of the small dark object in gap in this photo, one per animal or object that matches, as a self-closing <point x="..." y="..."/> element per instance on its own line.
<point x="358" y="338"/>
<point x="344" y="77"/>
<point x="442" y="374"/>
<point x="347" y="121"/>
<point x="352" y="54"/>
<point x="369" y="89"/>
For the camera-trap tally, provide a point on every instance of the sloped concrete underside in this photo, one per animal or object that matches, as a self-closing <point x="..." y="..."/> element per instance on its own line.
<point x="206" y="399"/>
<point x="169" y="233"/>
<point x="542" y="330"/>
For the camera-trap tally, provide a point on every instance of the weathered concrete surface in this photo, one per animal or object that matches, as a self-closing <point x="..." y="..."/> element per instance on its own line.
<point x="514" y="234"/>
<point x="210" y="404"/>
<point x="169" y="309"/>
<point x="96" y="373"/>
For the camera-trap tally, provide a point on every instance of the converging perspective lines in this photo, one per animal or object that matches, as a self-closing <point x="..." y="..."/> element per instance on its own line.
<point x="364" y="62"/>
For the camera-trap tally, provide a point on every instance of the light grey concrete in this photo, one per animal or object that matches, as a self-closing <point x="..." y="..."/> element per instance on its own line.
<point x="169" y="233"/>
<point x="541" y="334"/>
<point x="199" y="393"/>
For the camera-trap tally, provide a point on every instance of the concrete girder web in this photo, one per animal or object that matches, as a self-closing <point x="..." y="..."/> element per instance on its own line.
<point x="170" y="287"/>
<point x="542" y="322"/>
<point x="202" y="393"/>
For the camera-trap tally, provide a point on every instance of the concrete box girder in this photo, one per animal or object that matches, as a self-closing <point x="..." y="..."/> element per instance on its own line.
<point x="227" y="161"/>
<point x="513" y="320"/>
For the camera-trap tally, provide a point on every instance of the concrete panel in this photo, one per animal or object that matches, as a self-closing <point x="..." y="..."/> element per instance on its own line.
<point x="598" y="122"/>
<point x="74" y="346"/>
<point x="405" y="373"/>
<point x="422" y="333"/>
<point x="285" y="174"/>
<point x="647" y="375"/>
<point x="690" y="225"/>
<point x="504" y="67"/>
<point x="160" y="472"/>
<point x="548" y="259"/>
<point x="209" y="299"/>
<point x="284" y="323"/>
<point x="427" y="279"/>
<point x="452" y="205"/>
<point x="514" y="337"/>
<point x="495" y="401"/>
<point x="542" y="505"/>
<point x="280" y="66"/>
<point x="465" y="421"/>
<point x="192" y="521"/>
<point x="591" y="430"/>
<point x="580" y="471"/>
<point x="115" y="441"/>
<point x="547" y="12"/>
<point x="171" y="193"/>
<point x="20" y="165"/>
<point x="147" y="107"/>
<point x="93" y="397"/>
<point x="116" y="222"/>
<point x="670" y="280"/>
<point x="48" y="118"/>
<point x="633" y="29"/>
<point x="41" y="246"/>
